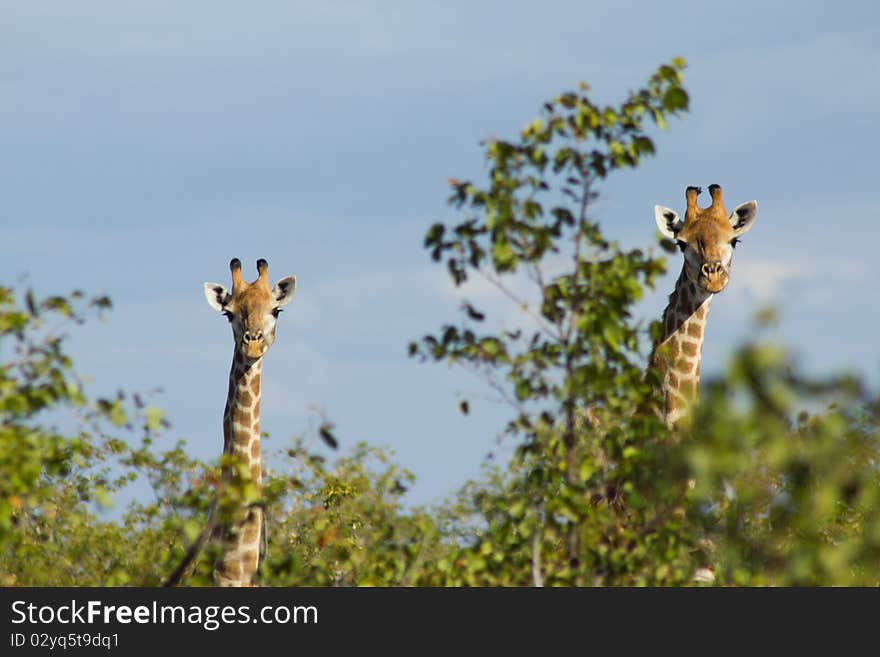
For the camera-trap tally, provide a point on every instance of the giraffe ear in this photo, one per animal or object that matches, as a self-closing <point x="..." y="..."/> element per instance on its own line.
<point x="217" y="296"/>
<point x="284" y="290"/>
<point x="743" y="216"/>
<point x="667" y="221"/>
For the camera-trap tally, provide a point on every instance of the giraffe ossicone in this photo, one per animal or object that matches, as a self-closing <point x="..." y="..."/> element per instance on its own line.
<point x="707" y="238"/>
<point x="252" y="310"/>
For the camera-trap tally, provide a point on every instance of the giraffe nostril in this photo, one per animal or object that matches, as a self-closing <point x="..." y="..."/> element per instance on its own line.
<point x="711" y="268"/>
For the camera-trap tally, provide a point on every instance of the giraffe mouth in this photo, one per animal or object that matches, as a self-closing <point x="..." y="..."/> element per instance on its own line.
<point x="713" y="284"/>
<point x="254" y="349"/>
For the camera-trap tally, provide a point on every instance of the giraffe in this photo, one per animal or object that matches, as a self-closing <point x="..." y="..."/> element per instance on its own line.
<point x="251" y="309"/>
<point x="706" y="237"/>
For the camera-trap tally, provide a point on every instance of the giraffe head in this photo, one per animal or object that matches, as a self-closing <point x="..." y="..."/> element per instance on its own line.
<point x="251" y="308"/>
<point x="706" y="236"/>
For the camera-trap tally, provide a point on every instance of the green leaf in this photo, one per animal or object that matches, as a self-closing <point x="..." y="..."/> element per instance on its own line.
<point x="675" y="99"/>
<point x="154" y="418"/>
<point x="503" y="255"/>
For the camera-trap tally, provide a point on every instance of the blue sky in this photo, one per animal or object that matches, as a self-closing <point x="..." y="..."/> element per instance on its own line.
<point x="143" y="145"/>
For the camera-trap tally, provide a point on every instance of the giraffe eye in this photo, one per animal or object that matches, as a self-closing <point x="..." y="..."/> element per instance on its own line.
<point x="734" y="242"/>
<point x="681" y="245"/>
<point x="276" y="312"/>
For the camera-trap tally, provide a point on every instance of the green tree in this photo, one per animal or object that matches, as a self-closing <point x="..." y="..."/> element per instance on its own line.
<point x="582" y="423"/>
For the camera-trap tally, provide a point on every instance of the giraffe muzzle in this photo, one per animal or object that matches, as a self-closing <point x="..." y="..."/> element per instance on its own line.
<point x="253" y="344"/>
<point x="713" y="276"/>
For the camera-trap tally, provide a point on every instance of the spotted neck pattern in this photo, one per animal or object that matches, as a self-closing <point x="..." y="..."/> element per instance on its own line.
<point x="240" y="536"/>
<point x="677" y="354"/>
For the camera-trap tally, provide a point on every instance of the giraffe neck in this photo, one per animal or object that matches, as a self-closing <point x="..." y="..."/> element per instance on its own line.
<point x="677" y="354"/>
<point x="240" y="550"/>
